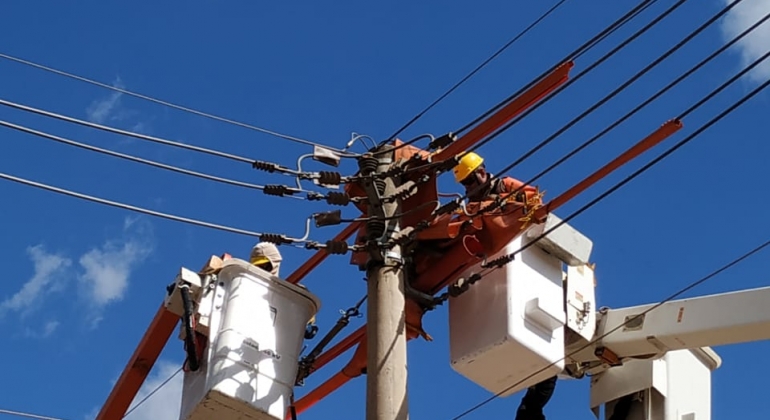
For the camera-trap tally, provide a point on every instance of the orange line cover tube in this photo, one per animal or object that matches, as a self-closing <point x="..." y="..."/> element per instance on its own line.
<point x="332" y="384"/>
<point x="508" y="112"/>
<point x="662" y="133"/>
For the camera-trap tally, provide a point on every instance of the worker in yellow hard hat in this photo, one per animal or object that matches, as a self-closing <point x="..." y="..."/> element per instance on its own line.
<point x="266" y="256"/>
<point x="472" y="174"/>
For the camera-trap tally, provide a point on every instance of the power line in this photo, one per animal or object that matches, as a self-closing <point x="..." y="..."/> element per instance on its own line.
<point x="133" y="158"/>
<point x="573" y="80"/>
<point x="620" y="22"/>
<point x="623" y="86"/>
<point x="587" y="46"/>
<point x="27" y="415"/>
<point x="604" y="58"/>
<point x="650" y="164"/>
<point x="658" y="94"/>
<point x="129" y="207"/>
<point x="632" y="319"/>
<point x="171" y="105"/>
<point x="126" y="133"/>
<point x="157" y="388"/>
<point x="477" y="69"/>
<point x="610" y="191"/>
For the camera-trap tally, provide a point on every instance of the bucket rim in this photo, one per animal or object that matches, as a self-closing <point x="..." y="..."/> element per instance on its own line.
<point x="237" y="263"/>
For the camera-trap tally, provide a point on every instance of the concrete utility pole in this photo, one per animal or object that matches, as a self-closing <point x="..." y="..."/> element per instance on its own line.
<point x="386" y="393"/>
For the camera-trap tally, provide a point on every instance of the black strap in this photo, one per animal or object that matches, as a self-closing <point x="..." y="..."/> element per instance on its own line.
<point x="292" y="409"/>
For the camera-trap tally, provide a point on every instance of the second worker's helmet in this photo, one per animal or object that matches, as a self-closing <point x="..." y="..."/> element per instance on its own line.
<point x="468" y="163"/>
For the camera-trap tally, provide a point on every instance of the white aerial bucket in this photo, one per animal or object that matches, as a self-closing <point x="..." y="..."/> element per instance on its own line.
<point x="506" y="332"/>
<point x="257" y="330"/>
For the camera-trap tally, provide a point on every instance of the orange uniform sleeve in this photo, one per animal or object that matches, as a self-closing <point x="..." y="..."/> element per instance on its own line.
<point x="509" y="185"/>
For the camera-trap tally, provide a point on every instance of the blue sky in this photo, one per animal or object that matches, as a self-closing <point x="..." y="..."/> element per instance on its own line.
<point x="82" y="280"/>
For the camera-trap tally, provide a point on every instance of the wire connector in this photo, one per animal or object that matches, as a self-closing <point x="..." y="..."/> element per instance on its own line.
<point x="315" y="196"/>
<point x="337" y="247"/>
<point x="265" y="166"/>
<point x="403" y="236"/>
<point x="329" y="178"/>
<point x="275" y="238"/>
<point x="442" y="141"/>
<point x="462" y="285"/>
<point x="328" y="218"/>
<point x="499" y="262"/>
<point x="279" y="190"/>
<point x="403" y="192"/>
<point x="338" y="198"/>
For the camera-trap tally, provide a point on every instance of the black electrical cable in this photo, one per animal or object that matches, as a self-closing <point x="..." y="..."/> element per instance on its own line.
<point x="477" y="69"/>
<point x="588" y="45"/>
<point x="395" y="216"/>
<point x="623" y="86"/>
<point x="576" y="78"/>
<point x="657" y="159"/>
<point x="616" y="187"/>
<point x="583" y="73"/>
<point x="630" y="15"/>
<point x="647" y="102"/>
<point x="188" y="319"/>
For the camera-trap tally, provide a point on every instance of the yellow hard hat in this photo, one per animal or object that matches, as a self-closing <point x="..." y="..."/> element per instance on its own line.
<point x="468" y="163"/>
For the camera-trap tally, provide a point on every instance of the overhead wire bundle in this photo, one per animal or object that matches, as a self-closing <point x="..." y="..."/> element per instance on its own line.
<point x="268" y="166"/>
<point x="170" y="104"/>
<point x="662" y="91"/>
<point x="501" y="199"/>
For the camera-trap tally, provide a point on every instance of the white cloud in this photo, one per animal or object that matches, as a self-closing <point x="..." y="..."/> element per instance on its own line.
<point x="103" y="109"/>
<point x="102" y="277"/>
<point x="107" y="269"/>
<point x="164" y="404"/>
<point x="45" y="332"/>
<point x="49" y="269"/>
<point x="756" y="43"/>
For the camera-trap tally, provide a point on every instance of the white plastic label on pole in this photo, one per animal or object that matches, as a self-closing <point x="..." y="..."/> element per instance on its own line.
<point x="256" y="338"/>
<point x="510" y="324"/>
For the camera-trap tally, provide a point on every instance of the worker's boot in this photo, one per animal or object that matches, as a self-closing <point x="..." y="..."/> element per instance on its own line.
<point x="537" y="396"/>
